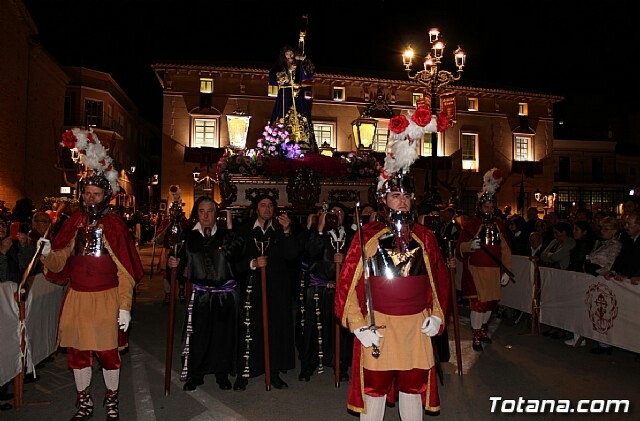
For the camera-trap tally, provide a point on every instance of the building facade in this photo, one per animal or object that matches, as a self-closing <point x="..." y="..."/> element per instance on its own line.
<point x="40" y="99"/>
<point x="32" y="87"/>
<point x="94" y="100"/>
<point x="493" y="128"/>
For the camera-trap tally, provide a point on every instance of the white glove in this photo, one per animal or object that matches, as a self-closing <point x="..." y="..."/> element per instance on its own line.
<point x="47" y="246"/>
<point x="368" y="337"/>
<point x="124" y="318"/>
<point x="475" y="244"/>
<point x="504" y="280"/>
<point x="431" y="325"/>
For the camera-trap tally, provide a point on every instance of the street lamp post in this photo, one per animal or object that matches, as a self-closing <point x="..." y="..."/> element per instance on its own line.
<point x="434" y="80"/>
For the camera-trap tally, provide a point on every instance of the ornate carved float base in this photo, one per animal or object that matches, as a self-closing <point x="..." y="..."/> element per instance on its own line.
<point x="302" y="191"/>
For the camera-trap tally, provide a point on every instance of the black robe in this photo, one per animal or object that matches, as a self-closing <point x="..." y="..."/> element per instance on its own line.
<point x="281" y="251"/>
<point x="212" y="340"/>
<point x="319" y="251"/>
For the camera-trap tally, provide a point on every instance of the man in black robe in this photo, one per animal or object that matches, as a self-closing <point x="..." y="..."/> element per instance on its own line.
<point x="268" y="243"/>
<point x="212" y="310"/>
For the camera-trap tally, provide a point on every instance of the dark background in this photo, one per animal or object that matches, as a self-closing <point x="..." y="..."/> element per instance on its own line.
<point x="565" y="48"/>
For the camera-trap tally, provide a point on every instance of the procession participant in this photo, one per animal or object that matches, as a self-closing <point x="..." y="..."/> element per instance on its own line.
<point x="268" y="243"/>
<point x="165" y="237"/>
<point x="409" y="292"/>
<point x="96" y="252"/>
<point x="324" y="248"/>
<point x="485" y="251"/>
<point x="212" y="310"/>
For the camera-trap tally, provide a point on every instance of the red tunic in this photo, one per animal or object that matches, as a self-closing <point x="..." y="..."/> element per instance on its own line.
<point x="350" y="284"/>
<point x="480" y="261"/>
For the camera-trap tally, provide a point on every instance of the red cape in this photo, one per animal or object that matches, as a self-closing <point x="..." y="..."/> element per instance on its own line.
<point x="346" y="282"/>
<point x="118" y="237"/>
<point x="469" y="230"/>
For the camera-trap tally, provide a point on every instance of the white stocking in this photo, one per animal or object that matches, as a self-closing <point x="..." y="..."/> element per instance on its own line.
<point x="82" y="377"/>
<point x="111" y="378"/>
<point x="476" y="320"/>
<point x="485" y="317"/>
<point x="375" y="408"/>
<point x="410" y="407"/>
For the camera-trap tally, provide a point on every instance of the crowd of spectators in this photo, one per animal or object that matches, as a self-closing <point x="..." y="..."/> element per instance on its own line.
<point x="600" y="244"/>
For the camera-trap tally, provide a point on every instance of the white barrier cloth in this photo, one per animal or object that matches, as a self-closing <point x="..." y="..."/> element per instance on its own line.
<point x="605" y="311"/>
<point x="41" y="319"/>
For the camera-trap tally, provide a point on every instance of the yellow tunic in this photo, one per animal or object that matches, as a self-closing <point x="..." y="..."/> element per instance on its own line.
<point x="89" y="320"/>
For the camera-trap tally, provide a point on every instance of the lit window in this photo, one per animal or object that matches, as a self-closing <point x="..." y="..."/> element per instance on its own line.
<point x="325" y="132"/>
<point x="523" y="148"/>
<point x="415" y="97"/>
<point x="206" y="86"/>
<point x="523" y="108"/>
<point x="381" y="139"/>
<point x="470" y="151"/>
<point x="472" y="104"/>
<point x="205" y="133"/>
<point x="338" y="93"/>
<point x="427" y="145"/>
<point x="272" y="90"/>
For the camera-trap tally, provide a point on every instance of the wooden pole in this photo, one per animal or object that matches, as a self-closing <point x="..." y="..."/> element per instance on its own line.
<point x="170" y="327"/>
<point x="337" y="322"/>
<point x="18" y="381"/>
<point x="265" y="329"/>
<point x="456" y="319"/>
<point x="21" y="296"/>
<point x="535" y="302"/>
<point x="153" y="252"/>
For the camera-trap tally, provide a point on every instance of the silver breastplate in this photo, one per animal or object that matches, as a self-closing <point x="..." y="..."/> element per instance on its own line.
<point x="90" y="241"/>
<point x="489" y="234"/>
<point x="391" y="262"/>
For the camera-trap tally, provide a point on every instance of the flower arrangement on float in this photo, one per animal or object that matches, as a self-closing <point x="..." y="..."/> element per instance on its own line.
<point x="276" y="143"/>
<point x="360" y="166"/>
<point x="250" y="163"/>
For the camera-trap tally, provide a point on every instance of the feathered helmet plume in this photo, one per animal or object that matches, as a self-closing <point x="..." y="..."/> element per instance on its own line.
<point x="402" y="149"/>
<point x="490" y="186"/>
<point x="94" y="156"/>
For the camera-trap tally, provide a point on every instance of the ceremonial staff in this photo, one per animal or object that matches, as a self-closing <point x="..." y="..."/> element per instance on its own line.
<point x="367" y="285"/>
<point x="454" y="303"/>
<point x="21" y="296"/>
<point x="153" y="252"/>
<point x="337" y="245"/>
<point x="175" y="241"/>
<point x="262" y="248"/>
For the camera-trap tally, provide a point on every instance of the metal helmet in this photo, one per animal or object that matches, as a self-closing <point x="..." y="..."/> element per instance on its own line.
<point x="100" y="181"/>
<point x="490" y="188"/>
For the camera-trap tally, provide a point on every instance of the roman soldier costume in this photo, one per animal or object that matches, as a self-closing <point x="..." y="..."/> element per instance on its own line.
<point x="484" y="249"/>
<point x="409" y="292"/>
<point x="95" y="252"/>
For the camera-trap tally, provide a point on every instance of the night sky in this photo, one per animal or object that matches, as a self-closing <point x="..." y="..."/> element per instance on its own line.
<point x="556" y="47"/>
